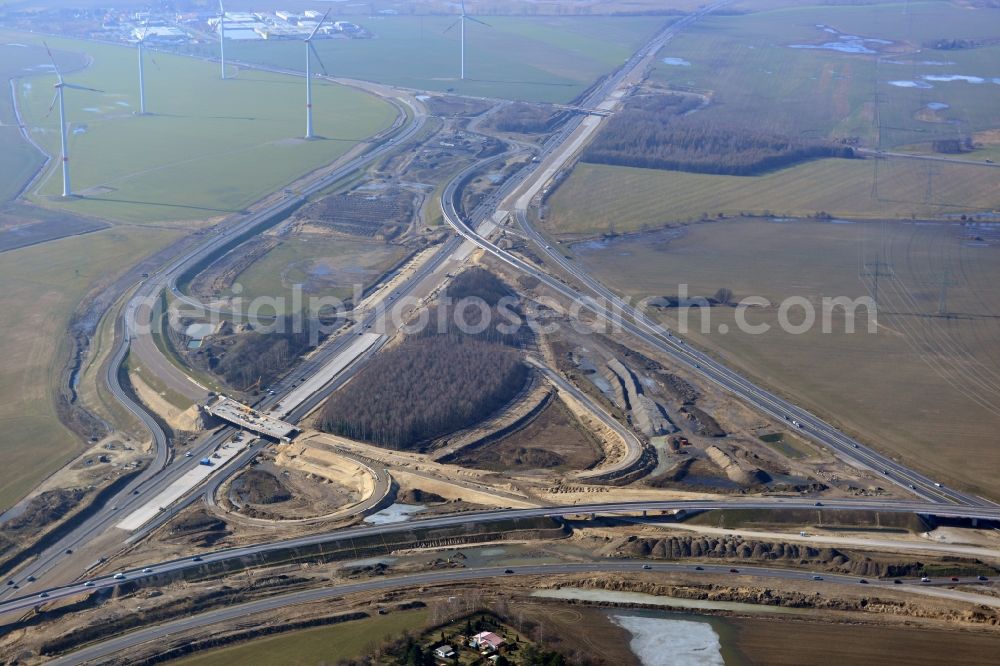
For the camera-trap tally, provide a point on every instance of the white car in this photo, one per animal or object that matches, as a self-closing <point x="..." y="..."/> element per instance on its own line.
<point x="119" y="576"/>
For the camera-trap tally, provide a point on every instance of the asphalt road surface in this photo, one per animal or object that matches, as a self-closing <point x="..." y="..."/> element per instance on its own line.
<point x="28" y="601"/>
<point x="133" y="639"/>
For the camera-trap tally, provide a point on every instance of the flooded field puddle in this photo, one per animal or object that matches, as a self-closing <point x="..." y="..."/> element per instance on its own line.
<point x="669" y="642"/>
<point x="947" y="78"/>
<point x="924" y="79"/>
<point x="852" y="44"/>
<point x="396" y="513"/>
<point x="911" y="84"/>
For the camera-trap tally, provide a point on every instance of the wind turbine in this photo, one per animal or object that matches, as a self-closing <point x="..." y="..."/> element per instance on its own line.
<point x="142" y="87"/>
<point x="60" y="87"/>
<point x="461" y="23"/>
<point x="310" y="50"/>
<point x="222" y="38"/>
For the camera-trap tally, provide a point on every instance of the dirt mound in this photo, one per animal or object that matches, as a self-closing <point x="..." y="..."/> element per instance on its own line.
<point x="196" y="522"/>
<point x="44" y="509"/>
<point x="733" y="470"/>
<point x="418" y="496"/>
<point x="702" y="423"/>
<point x="829" y="559"/>
<point x="532" y="457"/>
<point x="680" y="388"/>
<point x="255" y="486"/>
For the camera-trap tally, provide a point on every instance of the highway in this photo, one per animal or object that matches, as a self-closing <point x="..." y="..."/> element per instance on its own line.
<point x="159" y="475"/>
<point x="23" y="603"/>
<point x="554" y="155"/>
<point x="135" y="315"/>
<point x="118" y="644"/>
<point x="602" y="302"/>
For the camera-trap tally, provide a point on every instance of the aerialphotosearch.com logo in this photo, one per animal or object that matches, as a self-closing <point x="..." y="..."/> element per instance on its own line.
<point x="321" y="315"/>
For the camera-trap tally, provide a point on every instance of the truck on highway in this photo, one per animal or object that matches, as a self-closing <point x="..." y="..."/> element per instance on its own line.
<point x="206" y="461"/>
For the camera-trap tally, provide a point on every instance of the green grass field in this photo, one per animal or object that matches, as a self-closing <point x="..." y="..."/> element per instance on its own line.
<point x="596" y="197"/>
<point x="18" y="159"/>
<point x="41" y="287"/>
<point x="925" y="388"/>
<point x="324" y="266"/>
<point x="544" y="58"/>
<point x="209" y="148"/>
<point x="320" y="645"/>
<point x="745" y="62"/>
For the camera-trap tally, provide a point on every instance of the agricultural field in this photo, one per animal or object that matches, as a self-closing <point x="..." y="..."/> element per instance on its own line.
<point x="323" y="266"/>
<point x="198" y="154"/>
<point x="765" y="641"/>
<point x="814" y="91"/>
<point x="18" y="159"/>
<point x="598" y="199"/>
<point x="543" y="58"/>
<point x="42" y="286"/>
<point x="925" y="387"/>
<point x="315" y="646"/>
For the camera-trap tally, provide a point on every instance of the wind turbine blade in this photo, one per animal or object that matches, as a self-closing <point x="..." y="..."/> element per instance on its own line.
<point x="76" y="87"/>
<point x="145" y="27"/>
<point x="54" y="65"/>
<point x="451" y="26"/>
<point x="318" y="25"/>
<point x="55" y="98"/>
<point x="222" y="10"/>
<point x="463" y="7"/>
<point x="475" y="20"/>
<point x="318" y="59"/>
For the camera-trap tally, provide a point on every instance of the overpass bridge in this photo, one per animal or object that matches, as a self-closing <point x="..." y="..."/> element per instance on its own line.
<point x="247" y="418"/>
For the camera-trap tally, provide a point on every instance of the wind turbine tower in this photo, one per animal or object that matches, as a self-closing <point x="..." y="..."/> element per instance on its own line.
<point x="222" y="38"/>
<point x="461" y="37"/>
<point x="60" y="87"/>
<point x="142" y="87"/>
<point x="310" y="51"/>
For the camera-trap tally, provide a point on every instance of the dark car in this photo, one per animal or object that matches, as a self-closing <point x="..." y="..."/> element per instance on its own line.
<point x="699" y="568"/>
<point x="196" y="558"/>
<point x="897" y="582"/>
<point x="31" y="579"/>
<point x="734" y="571"/>
<point x="863" y="581"/>
<point x="954" y="579"/>
<point x="69" y="551"/>
<point x="981" y="578"/>
<point x="508" y="571"/>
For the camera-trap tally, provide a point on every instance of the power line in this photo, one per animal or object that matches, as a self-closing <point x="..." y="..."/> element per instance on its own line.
<point x="877" y="269"/>
<point x="946" y="281"/>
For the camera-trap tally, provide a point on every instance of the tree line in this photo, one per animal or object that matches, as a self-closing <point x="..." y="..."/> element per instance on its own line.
<point x="524" y="118"/>
<point x="650" y="133"/>
<point x="255" y="355"/>
<point x="424" y="388"/>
